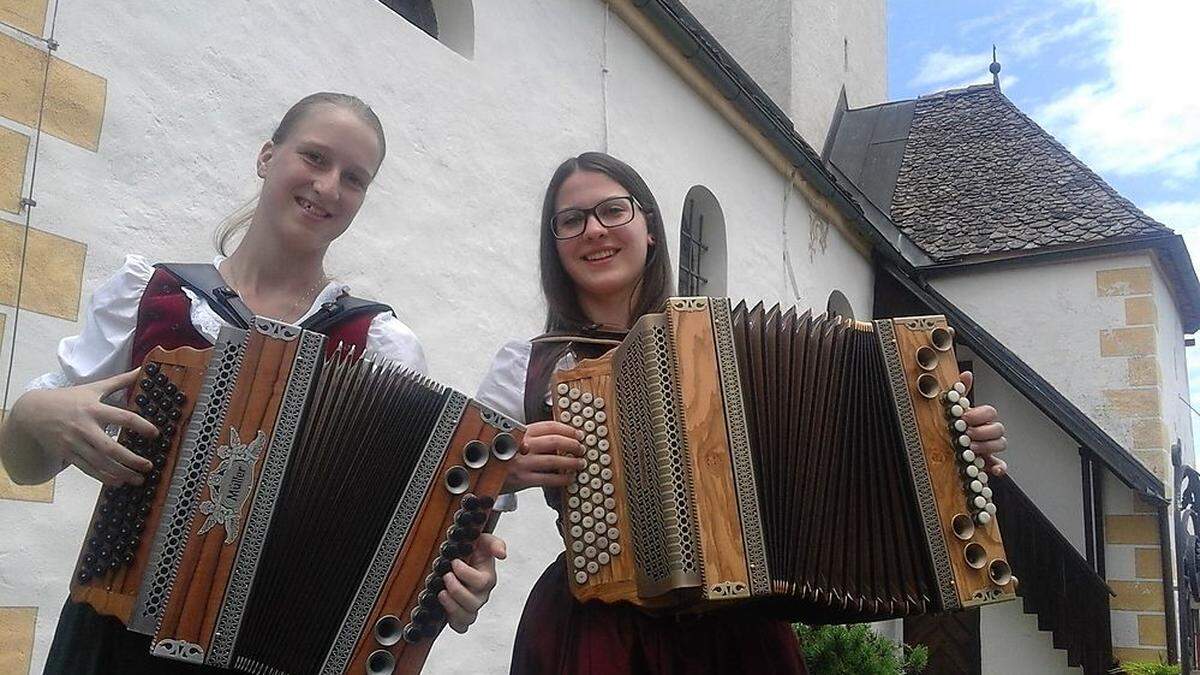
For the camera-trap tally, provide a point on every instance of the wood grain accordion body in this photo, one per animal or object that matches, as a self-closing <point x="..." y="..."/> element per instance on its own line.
<point x="303" y="507"/>
<point x="815" y="465"/>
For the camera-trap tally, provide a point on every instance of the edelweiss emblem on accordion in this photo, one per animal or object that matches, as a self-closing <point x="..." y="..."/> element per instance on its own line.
<point x="230" y="482"/>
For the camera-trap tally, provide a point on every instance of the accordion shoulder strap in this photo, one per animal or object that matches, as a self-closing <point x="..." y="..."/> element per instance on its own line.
<point x="206" y="282"/>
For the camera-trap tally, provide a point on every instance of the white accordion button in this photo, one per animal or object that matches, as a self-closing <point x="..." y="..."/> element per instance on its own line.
<point x="583" y="478"/>
<point x="602" y="543"/>
<point x="613" y="534"/>
<point x="573" y="502"/>
<point x="610" y="503"/>
<point x="599" y="403"/>
<point x="580" y="561"/>
<point x="590" y="440"/>
<point x="584" y="493"/>
<point x="603" y="558"/>
<point x="573" y="488"/>
<point x="581" y="577"/>
<point x="596" y="483"/>
<point x="590" y="552"/>
<point x="593" y="567"/>
<point x="601" y="416"/>
<point x="586" y="397"/>
<point x="575" y="407"/>
<point x="565" y="417"/>
<point x="577" y="421"/>
<point x="960" y="387"/>
<point x="952" y="396"/>
<point x="564" y="402"/>
<point x="577" y="546"/>
<point x="589" y="537"/>
<point x="611" y="519"/>
<point x="574" y="393"/>
<point x="979" y="502"/>
<point x="972" y="470"/>
<point x="965" y="402"/>
<point x="983" y="477"/>
<point x="960" y="426"/>
<point x="588" y="411"/>
<point x="588" y="522"/>
<point x="986" y="492"/>
<point x="593" y="454"/>
<point x="594" y="469"/>
<point x="589" y="426"/>
<point x="956" y="410"/>
<point x="598" y="512"/>
<point x="983" y="517"/>
<point x="563" y="389"/>
<point x="614" y="548"/>
<point x="976" y="486"/>
<point x="990" y="508"/>
<point x="964" y="441"/>
<point x="979" y="462"/>
<point x="607" y="488"/>
<point x="600" y="528"/>
<point x="574" y="516"/>
<point x="602" y="431"/>
<point x="576" y="531"/>
<point x="605" y="459"/>
<point x="606" y="474"/>
<point x="598" y="496"/>
<point x="968" y="456"/>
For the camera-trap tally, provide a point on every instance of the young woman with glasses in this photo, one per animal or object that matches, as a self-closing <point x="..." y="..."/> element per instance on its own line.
<point x="604" y="264"/>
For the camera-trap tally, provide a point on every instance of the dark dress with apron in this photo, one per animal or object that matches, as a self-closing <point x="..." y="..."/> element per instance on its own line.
<point x="87" y="643"/>
<point x="558" y="634"/>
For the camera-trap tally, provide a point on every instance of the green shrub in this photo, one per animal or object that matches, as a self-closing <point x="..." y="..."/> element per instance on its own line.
<point x="855" y="650"/>
<point x="1146" y="668"/>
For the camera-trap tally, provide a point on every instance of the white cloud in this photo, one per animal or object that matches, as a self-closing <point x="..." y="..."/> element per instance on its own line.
<point x="1184" y="218"/>
<point x="942" y="66"/>
<point x="1143" y="117"/>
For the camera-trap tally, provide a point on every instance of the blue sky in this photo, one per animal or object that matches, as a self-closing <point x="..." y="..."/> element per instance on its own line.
<point x="1116" y="81"/>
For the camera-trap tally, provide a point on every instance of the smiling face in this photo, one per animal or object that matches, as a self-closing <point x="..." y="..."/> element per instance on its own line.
<point x="603" y="262"/>
<point x="315" y="179"/>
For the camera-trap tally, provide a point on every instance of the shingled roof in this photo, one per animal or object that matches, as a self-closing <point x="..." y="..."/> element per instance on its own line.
<point x="965" y="173"/>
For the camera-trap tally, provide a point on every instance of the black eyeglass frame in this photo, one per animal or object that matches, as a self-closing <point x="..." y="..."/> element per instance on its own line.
<point x="634" y="204"/>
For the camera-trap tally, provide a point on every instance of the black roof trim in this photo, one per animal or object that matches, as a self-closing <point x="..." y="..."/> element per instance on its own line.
<point x="1041" y="393"/>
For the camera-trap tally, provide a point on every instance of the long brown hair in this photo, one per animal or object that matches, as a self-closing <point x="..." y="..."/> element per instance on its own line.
<point x="240" y="218"/>
<point x="563" y="312"/>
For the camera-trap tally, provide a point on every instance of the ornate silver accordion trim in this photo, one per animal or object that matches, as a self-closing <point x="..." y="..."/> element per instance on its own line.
<point x="739" y="449"/>
<point x="917" y="467"/>
<point x="245" y="566"/>
<point x="389" y="547"/>
<point x="190" y="469"/>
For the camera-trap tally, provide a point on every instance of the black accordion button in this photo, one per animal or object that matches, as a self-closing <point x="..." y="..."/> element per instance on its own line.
<point x="434" y="583"/>
<point x="147" y="384"/>
<point x="170" y="389"/>
<point x="151" y="369"/>
<point x="478" y="517"/>
<point x="179" y="398"/>
<point x="142" y="400"/>
<point x="168" y="430"/>
<point x="83" y="576"/>
<point x="162" y="443"/>
<point x="156" y="396"/>
<point x="441" y="566"/>
<point x="174" y="414"/>
<point x="412" y="634"/>
<point x="159" y="459"/>
<point x="457" y="533"/>
<point x="161" y="419"/>
<point x="151" y="409"/>
<point x="462" y="519"/>
<point x="470" y="502"/>
<point x="427" y="599"/>
<point x="160" y="378"/>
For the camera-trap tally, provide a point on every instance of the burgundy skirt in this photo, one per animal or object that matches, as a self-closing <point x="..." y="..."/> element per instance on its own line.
<point x="557" y="634"/>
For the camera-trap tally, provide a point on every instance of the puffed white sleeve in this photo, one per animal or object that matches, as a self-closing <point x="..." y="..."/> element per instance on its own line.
<point x="105" y="344"/>
<point x="503" y="389"/>
<point x="392" y="339"/>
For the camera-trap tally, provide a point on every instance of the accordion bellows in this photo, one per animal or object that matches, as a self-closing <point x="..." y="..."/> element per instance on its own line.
<point x="814" y="464"/>
<point x="303" y="509"/>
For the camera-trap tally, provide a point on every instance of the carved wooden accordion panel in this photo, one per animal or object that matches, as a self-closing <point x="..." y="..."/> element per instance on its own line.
<point x="302" y="510"/>
<point x="816" y="464"/>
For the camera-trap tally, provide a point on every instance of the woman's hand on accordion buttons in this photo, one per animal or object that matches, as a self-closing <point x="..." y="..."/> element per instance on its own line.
<point x="551" y="454"/>
<point x="69" y="424"/>
<point x="985" y="430"/>
<point x="470" y="582"/>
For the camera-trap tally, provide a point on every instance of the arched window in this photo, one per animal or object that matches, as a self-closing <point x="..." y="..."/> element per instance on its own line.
<point x="702" y="245"/>
<point x="839" y="305"/>
<point x="451" y="22"/>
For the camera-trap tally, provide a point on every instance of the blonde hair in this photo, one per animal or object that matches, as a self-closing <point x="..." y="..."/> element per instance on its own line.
<point x="238" y="221"/>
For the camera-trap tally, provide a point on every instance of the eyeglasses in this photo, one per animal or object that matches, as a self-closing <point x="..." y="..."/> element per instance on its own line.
<point x="612" y="212"/>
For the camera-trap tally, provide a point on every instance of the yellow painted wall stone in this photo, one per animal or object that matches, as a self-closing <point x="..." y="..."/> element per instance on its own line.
<point x="1140" y="311"/>
<point x="1147" y="563"/>
<point x="14" y="151"/>
<point x="1134" y="402"/>
<point x="74" y="97"/>
<point x="27" y="15"/>
<point x="1128" y="654"/>
<point x="53" y="273"/>
<point x="1144" y="596"/>
<point x="1136" y="341"/>
<point x="1124" y="281"/>
<point x="1148" y="433"/>
<point x="1143" y="371"/>
<point x="1152" y="630"/>
<point x="16" y="638"/>
<point x="1142" y="529"/>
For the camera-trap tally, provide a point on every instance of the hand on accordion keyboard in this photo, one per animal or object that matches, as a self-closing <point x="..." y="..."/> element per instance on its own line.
<point x="470" y="583"/>
<point x="68" y="425"/>
<point x="985" y="430"/>
<point x="551" y="454"/>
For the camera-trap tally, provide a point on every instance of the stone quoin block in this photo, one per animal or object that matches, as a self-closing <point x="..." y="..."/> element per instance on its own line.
<point x="1141" y="529"/>
<point x="1147" y="433"/>
<point x="1134" y="402"/>
<point x="1140" y="311"/>
<point x="74" y="107"/>
<point x="53" y="271"/>
<point x="1143" y="371"/>
<point x="1148" y="563"/>
<point x="1136" y="341"/>
<point x="1124" y="281"/>
<point x="26" y="15"/>
<point x="1127" y="654"/>
<point x="14" y="153"/>
<point x="1152" y="630"/>
<point x="17" y="625"/>
<point x="1140" y="596"/>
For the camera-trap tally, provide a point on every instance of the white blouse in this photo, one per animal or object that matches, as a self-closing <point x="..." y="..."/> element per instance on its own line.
<point x="105" y="345"/>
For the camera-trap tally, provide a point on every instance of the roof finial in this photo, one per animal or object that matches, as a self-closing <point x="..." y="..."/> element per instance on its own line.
<point x="995" y="69"/>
